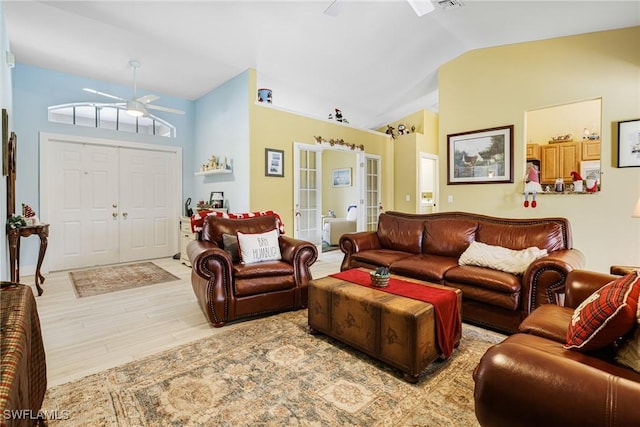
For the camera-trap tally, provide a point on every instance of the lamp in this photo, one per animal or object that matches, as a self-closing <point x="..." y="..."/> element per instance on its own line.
<point x="636" y="211"/>
<point x="135" y="108"/>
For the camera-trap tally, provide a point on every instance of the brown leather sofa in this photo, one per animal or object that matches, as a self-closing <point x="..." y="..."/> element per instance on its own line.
<point x="529" y="379"/>
<point x="227" y="291"/>
<point x="428" y="247"/>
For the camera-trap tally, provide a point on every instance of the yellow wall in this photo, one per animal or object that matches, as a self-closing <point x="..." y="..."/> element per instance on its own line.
<point x="271" y="127"/>
<point x="545" y="123"/>
<point x="494" y="87"/>
<point x="406" y="159"/>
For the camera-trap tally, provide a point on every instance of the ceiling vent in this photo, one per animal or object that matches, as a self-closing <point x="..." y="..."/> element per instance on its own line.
<point x="448" y="4"/>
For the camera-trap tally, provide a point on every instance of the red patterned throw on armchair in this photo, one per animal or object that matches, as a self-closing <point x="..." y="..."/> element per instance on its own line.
<point x="197" y="219"/>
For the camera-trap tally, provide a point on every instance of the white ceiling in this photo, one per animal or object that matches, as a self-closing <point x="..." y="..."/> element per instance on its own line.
<point x="376" y="61"/>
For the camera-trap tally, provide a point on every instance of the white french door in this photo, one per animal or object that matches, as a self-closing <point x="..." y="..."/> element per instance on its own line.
<point x="83" y="188"/>
<point x="307" y="194"/>
<point x="108" y="203"/>
<point x="372" y="191"/>
<point x="147" y="211"/>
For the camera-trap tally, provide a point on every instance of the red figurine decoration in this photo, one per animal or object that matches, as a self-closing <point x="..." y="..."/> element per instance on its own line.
<point x="531" y="186"/>
<point x="27" y="212"/>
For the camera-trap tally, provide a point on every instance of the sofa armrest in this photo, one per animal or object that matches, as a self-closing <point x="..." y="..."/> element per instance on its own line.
<point x="301" y="254"/>
<point x="211" y="279"/>
<point x="356" y="242"/>
<point x="544" y="280"/>
<point x="582" y="283"/>
<point x="520" y="385"/>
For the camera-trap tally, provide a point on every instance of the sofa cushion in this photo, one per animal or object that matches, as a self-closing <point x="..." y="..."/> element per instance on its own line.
<point x="500" y="258"/>
<point x="400" y="233"/>
<point x="378" y="257"/>
<point x="424" y="267"/>
<point x="489" y="286"/>
<point x="259" y="247"/>
<point x="448" y="237"/>
<point x="548" y="321"/>
<point x="547" y="235"/>
<point x="609" y="313"/>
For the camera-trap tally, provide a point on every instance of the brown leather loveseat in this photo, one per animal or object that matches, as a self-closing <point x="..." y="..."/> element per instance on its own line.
<point x="229" y="289"/>
<point x="428" y="247"/>
<point x="530" y="379"/>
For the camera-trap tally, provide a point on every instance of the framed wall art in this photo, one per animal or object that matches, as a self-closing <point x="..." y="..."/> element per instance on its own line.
<point x="273" y="162"/>
<point x="341" y="177"/>
<point x="481" y="156"/>
<point x="629" y="143"/>
<point x="216" y="199"/>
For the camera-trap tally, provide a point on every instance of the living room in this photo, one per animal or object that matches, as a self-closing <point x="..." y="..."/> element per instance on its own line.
<point x="505" y="83"/>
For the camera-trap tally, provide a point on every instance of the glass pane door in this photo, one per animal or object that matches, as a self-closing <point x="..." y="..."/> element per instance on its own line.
<point x="307" y="193"/>
<point x="372" y="190"/>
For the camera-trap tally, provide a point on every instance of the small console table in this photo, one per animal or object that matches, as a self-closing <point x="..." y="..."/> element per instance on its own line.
<point x="14" y="234"/>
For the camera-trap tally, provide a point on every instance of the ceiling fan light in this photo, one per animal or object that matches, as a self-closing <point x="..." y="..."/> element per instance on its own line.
<point x="135" y="109"/>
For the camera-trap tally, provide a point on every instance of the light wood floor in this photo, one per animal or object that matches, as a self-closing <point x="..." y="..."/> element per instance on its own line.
<point x="87" y="335"/>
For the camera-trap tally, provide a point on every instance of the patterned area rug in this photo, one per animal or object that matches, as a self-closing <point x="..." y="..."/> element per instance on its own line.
<point x="102" y="280"/>
<point x="269" y="371"/>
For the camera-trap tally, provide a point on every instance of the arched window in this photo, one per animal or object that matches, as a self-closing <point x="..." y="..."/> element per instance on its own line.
<point x="108" y="116"/>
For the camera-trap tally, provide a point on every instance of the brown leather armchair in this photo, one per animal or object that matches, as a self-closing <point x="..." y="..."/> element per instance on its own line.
<point x="228" y="290"/>
<point x="531" y="380"/>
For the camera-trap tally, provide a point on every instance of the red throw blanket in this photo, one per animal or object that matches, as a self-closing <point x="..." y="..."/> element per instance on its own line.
<point x="444" y="301"/>
<point x="198" y="219"/>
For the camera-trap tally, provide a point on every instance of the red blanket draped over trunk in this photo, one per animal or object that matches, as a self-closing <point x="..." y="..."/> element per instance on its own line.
<point x="444" y="301"/>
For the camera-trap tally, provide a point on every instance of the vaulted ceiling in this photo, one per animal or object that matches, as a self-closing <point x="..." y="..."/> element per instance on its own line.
<point x="376" y="60"/>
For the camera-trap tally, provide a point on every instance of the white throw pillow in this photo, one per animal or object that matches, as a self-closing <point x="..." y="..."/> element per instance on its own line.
<point x="499" y="258"/>
<point x="259" y="247"/>
<point x="629" y="353"/>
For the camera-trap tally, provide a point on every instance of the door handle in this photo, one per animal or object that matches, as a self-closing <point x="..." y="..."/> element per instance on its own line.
<point x="115" y="214"/>
<point x="124" y="214"/>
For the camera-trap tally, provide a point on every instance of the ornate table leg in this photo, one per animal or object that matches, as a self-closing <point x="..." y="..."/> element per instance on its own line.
<point x="14" y="238"/>
<point x="43" y="249"/>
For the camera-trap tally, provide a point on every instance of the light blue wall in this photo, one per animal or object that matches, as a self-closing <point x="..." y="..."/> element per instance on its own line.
<point x="35" y="89"/>
<point x="5" y="102"/>
<point x="222" y="129"/>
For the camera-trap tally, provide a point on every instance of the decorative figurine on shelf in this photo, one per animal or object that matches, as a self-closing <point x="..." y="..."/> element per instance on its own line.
<point x="390" y="131"/>
<point x="531" y="186"/>
<point x="402" y="129"/>
<point x="29" y="215"/>
<point x="577" y="182"/>
<point x="338" y="116"/>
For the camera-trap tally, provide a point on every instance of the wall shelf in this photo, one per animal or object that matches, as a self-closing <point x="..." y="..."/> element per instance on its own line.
<point x="213" y="172"/>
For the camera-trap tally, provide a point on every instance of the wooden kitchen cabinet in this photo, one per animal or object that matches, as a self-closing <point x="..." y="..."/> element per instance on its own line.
<point x="558" y="161"/>
<point x="591" y="149"/>
<point x="533" y="152"/>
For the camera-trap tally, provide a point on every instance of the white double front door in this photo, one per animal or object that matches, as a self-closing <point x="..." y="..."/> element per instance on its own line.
<point x="108" y="204"/>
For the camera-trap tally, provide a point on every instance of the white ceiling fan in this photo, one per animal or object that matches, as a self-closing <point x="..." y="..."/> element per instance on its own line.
<point x="420" y="7"/>
<point x="135" y="106"/>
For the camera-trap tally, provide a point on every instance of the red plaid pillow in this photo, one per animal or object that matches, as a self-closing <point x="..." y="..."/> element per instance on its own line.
<point x="609" y="313"/>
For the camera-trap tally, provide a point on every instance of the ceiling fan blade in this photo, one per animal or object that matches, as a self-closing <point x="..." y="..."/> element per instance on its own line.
<point x="147" y="99"/>
<point x="160" y="108"/>
<point x="421" y="7"/>
<point x="97" y="92"/>
<point x="334" y="8"/>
